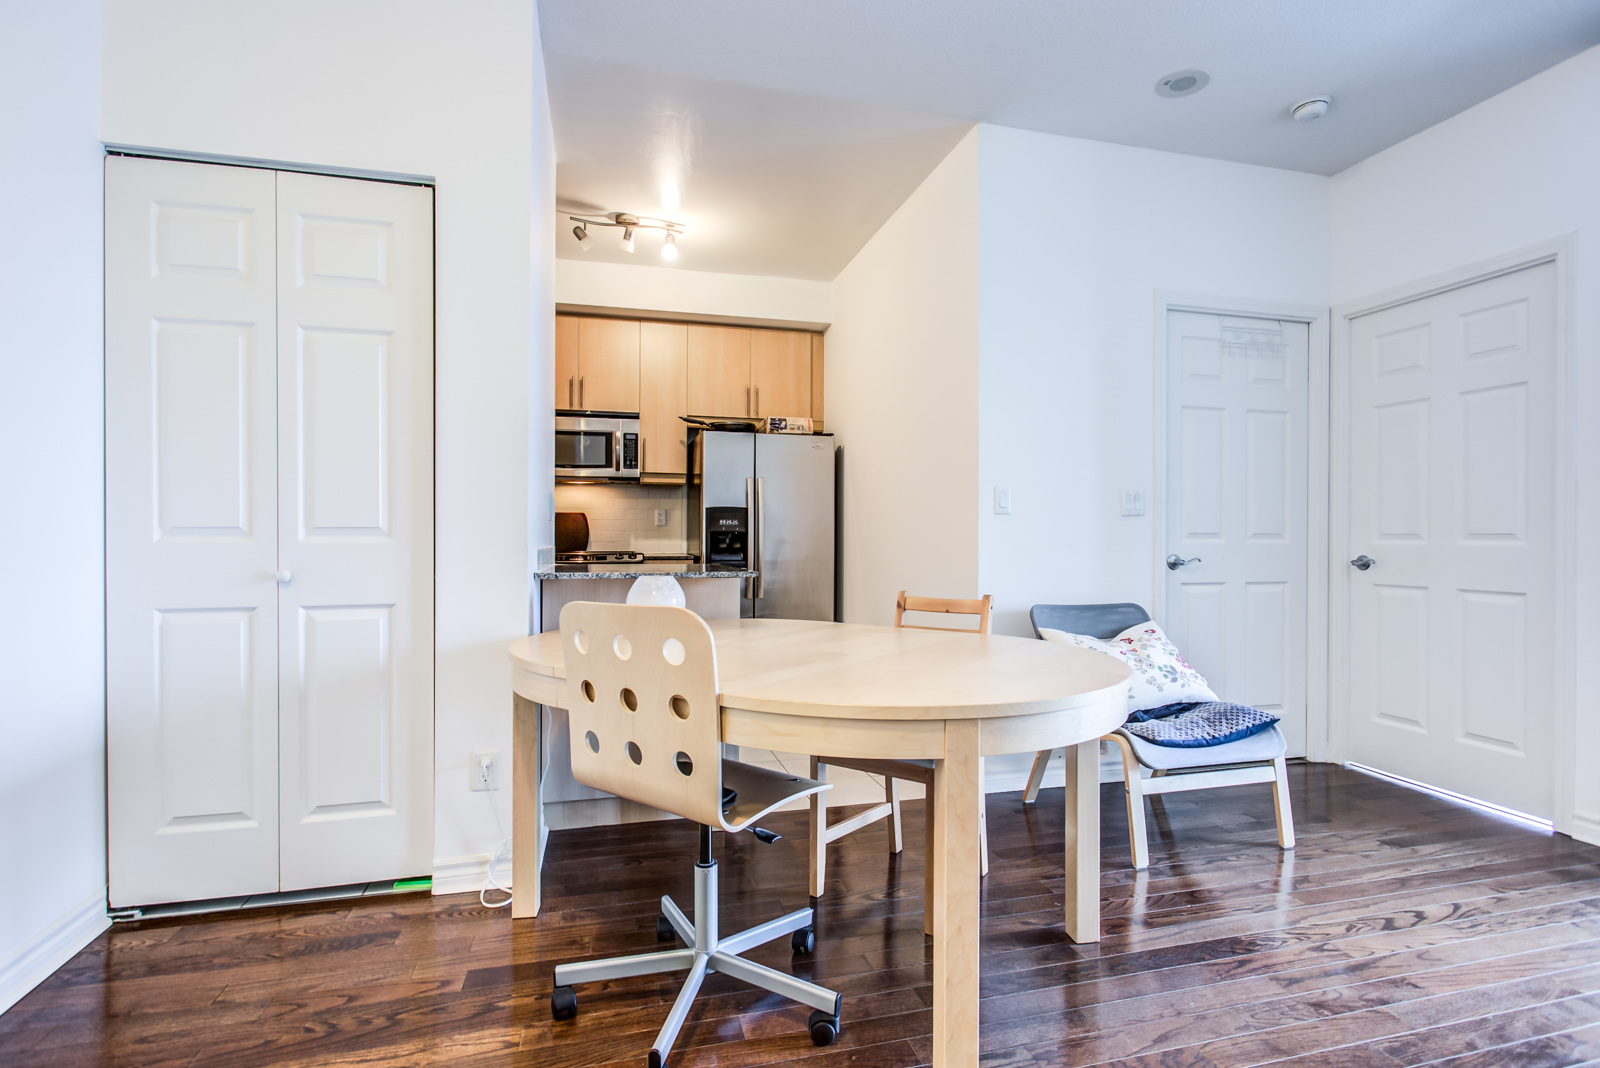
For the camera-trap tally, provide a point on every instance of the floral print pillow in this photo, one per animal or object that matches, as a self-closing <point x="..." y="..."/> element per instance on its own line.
<point x="1161" y="676"/>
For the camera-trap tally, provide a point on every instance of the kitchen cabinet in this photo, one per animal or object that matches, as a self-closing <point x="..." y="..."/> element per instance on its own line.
<point x="780" y="372"/>
<point x="663" y="397"/>
<point x="719" y="370"/>
<point x="816" y="380"/>
<point x="597" y="364"/>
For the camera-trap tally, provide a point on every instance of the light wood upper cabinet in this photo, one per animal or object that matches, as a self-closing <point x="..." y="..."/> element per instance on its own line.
<point x="719" y="370"/>
<point x="566" y="362"/>
<point x="663" y="395"/>
<point x="608" y="365"/>
<point x="780" y="372"/>
<point x="816" y="379"/>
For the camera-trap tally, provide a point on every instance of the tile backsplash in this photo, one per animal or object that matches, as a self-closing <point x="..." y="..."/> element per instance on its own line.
<point x="624" y="517"/>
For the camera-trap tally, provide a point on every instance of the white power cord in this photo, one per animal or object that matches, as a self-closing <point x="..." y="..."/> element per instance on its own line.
<point x="503" y="850"/>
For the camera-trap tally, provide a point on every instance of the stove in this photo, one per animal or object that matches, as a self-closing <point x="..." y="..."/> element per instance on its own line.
<point x="620" y="556"/>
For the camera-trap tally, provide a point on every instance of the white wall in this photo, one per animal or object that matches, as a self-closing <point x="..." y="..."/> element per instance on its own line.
<point x="672" y="289"/>
<point x="409" y="86"/>
<point x="901" y="389"/>
<point x="52" y="705"/>
<point x="1516" y="170"/>
<point x="1066" y="387"/>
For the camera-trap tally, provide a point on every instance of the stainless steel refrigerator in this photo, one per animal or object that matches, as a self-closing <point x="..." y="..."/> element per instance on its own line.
<point x="784" y="483"/>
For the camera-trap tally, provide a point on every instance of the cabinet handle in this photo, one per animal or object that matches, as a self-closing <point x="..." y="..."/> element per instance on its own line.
<point x="580" y="391"/>
<point x="746" y="400"/>
<point x="758" y="400"/>
<point x="569" y="391"/>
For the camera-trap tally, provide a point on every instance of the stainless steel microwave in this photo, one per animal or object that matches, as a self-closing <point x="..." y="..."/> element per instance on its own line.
<point x="597" y="447"/>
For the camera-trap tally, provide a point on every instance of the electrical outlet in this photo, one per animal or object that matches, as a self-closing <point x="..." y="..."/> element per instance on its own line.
<point x="483" y="770"/>
<point x="661" y="517"/>
<point x="1133" y="502"/>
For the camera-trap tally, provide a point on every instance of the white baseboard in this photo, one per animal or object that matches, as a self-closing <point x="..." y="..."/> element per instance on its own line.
<point x="37" y="958"/>
<point x="1586" y="827"/>
<point x="465" y="875"/>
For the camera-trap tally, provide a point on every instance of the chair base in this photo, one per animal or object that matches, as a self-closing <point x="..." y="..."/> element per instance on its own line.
<point x="706" y="953"/>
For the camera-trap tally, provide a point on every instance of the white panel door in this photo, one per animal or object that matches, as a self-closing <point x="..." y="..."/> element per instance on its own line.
<point x="355" y="474"/>
<point x="191" y="538"/>
<point x="1452" y="476"/>
<point x="1235" y="508"/>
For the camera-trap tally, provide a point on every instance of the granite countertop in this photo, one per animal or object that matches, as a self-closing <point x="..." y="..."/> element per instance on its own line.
<point x="684" y="569"/>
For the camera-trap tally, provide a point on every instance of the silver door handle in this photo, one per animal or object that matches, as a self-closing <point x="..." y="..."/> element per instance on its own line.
<point x="580" y="391"/>
<point x="750" y="541"/>
<point x="758" y="400"/>
<point x="746" y="400"/>
<point x="569" y="391"/>
<point x="1362" y="562"/>
<point x="761" y="537"/>
<point x="1175" y="561"/>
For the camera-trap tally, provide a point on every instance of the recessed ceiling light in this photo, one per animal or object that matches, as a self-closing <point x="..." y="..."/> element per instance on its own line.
<point x="1182" y="83"/>
<point x="1307" y="110"/>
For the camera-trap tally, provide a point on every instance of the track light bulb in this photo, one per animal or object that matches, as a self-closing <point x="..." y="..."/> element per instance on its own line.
<point x="582" y="234"/>
<point x="627" y="239"/>
<point x="669" y="251"/>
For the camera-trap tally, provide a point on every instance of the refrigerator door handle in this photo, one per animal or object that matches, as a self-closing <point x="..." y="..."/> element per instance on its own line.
<point x="761" y="537"/>
<point x="750" y="540"/>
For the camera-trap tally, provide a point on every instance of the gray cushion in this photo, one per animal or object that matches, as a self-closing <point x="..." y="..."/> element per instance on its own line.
<point x="1268" y="745"/>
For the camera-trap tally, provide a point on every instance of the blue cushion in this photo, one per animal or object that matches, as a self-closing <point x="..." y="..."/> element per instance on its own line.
<point x="1196" y="725"/>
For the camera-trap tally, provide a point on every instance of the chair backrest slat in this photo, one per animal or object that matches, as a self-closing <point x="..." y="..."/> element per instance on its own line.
<point x="1096" y="620"/>
<point x="643" y="716"/>
<point x="977" y="607"/>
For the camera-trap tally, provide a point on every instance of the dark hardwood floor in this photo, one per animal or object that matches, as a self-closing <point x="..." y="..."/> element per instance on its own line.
<point x="1404" y="930"/>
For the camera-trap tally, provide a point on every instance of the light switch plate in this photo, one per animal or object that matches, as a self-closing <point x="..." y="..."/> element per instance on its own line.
<point x="1133" y="502"/>
<point x="1002" y="500"/>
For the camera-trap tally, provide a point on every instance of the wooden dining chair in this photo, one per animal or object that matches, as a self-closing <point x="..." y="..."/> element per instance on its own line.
<point x="1258" y="758"/>
<point x="645" y="724"/>
<point x="896" y="771"/>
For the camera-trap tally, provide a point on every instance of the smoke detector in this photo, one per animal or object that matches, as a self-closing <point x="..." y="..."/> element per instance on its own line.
<point x="1307" y="110"/>
<point x="1182" y="83"/>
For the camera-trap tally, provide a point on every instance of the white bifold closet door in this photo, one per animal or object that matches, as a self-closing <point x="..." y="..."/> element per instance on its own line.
<point x="269" y="526"/>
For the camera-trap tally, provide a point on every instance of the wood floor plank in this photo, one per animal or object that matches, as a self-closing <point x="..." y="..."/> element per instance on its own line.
<point x="1404" y="930"/>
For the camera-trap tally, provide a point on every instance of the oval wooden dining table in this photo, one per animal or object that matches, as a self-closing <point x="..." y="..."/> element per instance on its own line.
<point x="843" y="689"/>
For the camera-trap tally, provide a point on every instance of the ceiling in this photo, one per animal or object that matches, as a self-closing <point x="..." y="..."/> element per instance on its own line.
<point x="785" y="134"/>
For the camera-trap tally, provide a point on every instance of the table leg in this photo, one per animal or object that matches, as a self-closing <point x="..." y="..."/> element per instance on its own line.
<point x="527" y="812"/>
<point x="1083" y="842"/>
<point x="958" y="800"/>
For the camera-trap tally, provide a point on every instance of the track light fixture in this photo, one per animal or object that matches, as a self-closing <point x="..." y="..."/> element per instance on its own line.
<point x="628" y="224"/>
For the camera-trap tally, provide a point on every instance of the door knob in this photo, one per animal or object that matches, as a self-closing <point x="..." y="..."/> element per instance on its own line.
<point x="1175" y="561"/>
<point x="1362" y="562"/>
<point x="283" y="576"/>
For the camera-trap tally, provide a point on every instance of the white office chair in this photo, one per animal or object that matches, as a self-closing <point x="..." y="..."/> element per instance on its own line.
<point x="646" y="725"/>
<point x="1258" y="758"/>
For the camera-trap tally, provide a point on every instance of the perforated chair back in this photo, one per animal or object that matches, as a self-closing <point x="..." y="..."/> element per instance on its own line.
<point x="1102" y="621"/>
<point x="644" y="720"/>
<point x="976" y="607"/>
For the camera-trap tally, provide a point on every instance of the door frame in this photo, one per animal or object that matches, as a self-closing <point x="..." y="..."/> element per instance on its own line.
<point x="1316" y="317"/>
<point x="1560" y="251"/>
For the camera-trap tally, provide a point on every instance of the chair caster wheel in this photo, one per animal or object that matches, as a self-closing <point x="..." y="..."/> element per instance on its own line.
<point x="665" y="932"/>
<point x="804" y="941"/>
<point x="824" y="1028"/>
<point x="563" y="1003"/>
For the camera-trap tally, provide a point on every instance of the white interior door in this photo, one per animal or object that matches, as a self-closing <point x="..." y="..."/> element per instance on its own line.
<point x="191" y="536"/>
<point x="1451" y="495"/>
<point x="1235" y="508"/>
<point x="355" y="477"/>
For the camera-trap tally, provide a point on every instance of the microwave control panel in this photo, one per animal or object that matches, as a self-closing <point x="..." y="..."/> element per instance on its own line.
<point x="630" y="452"/>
